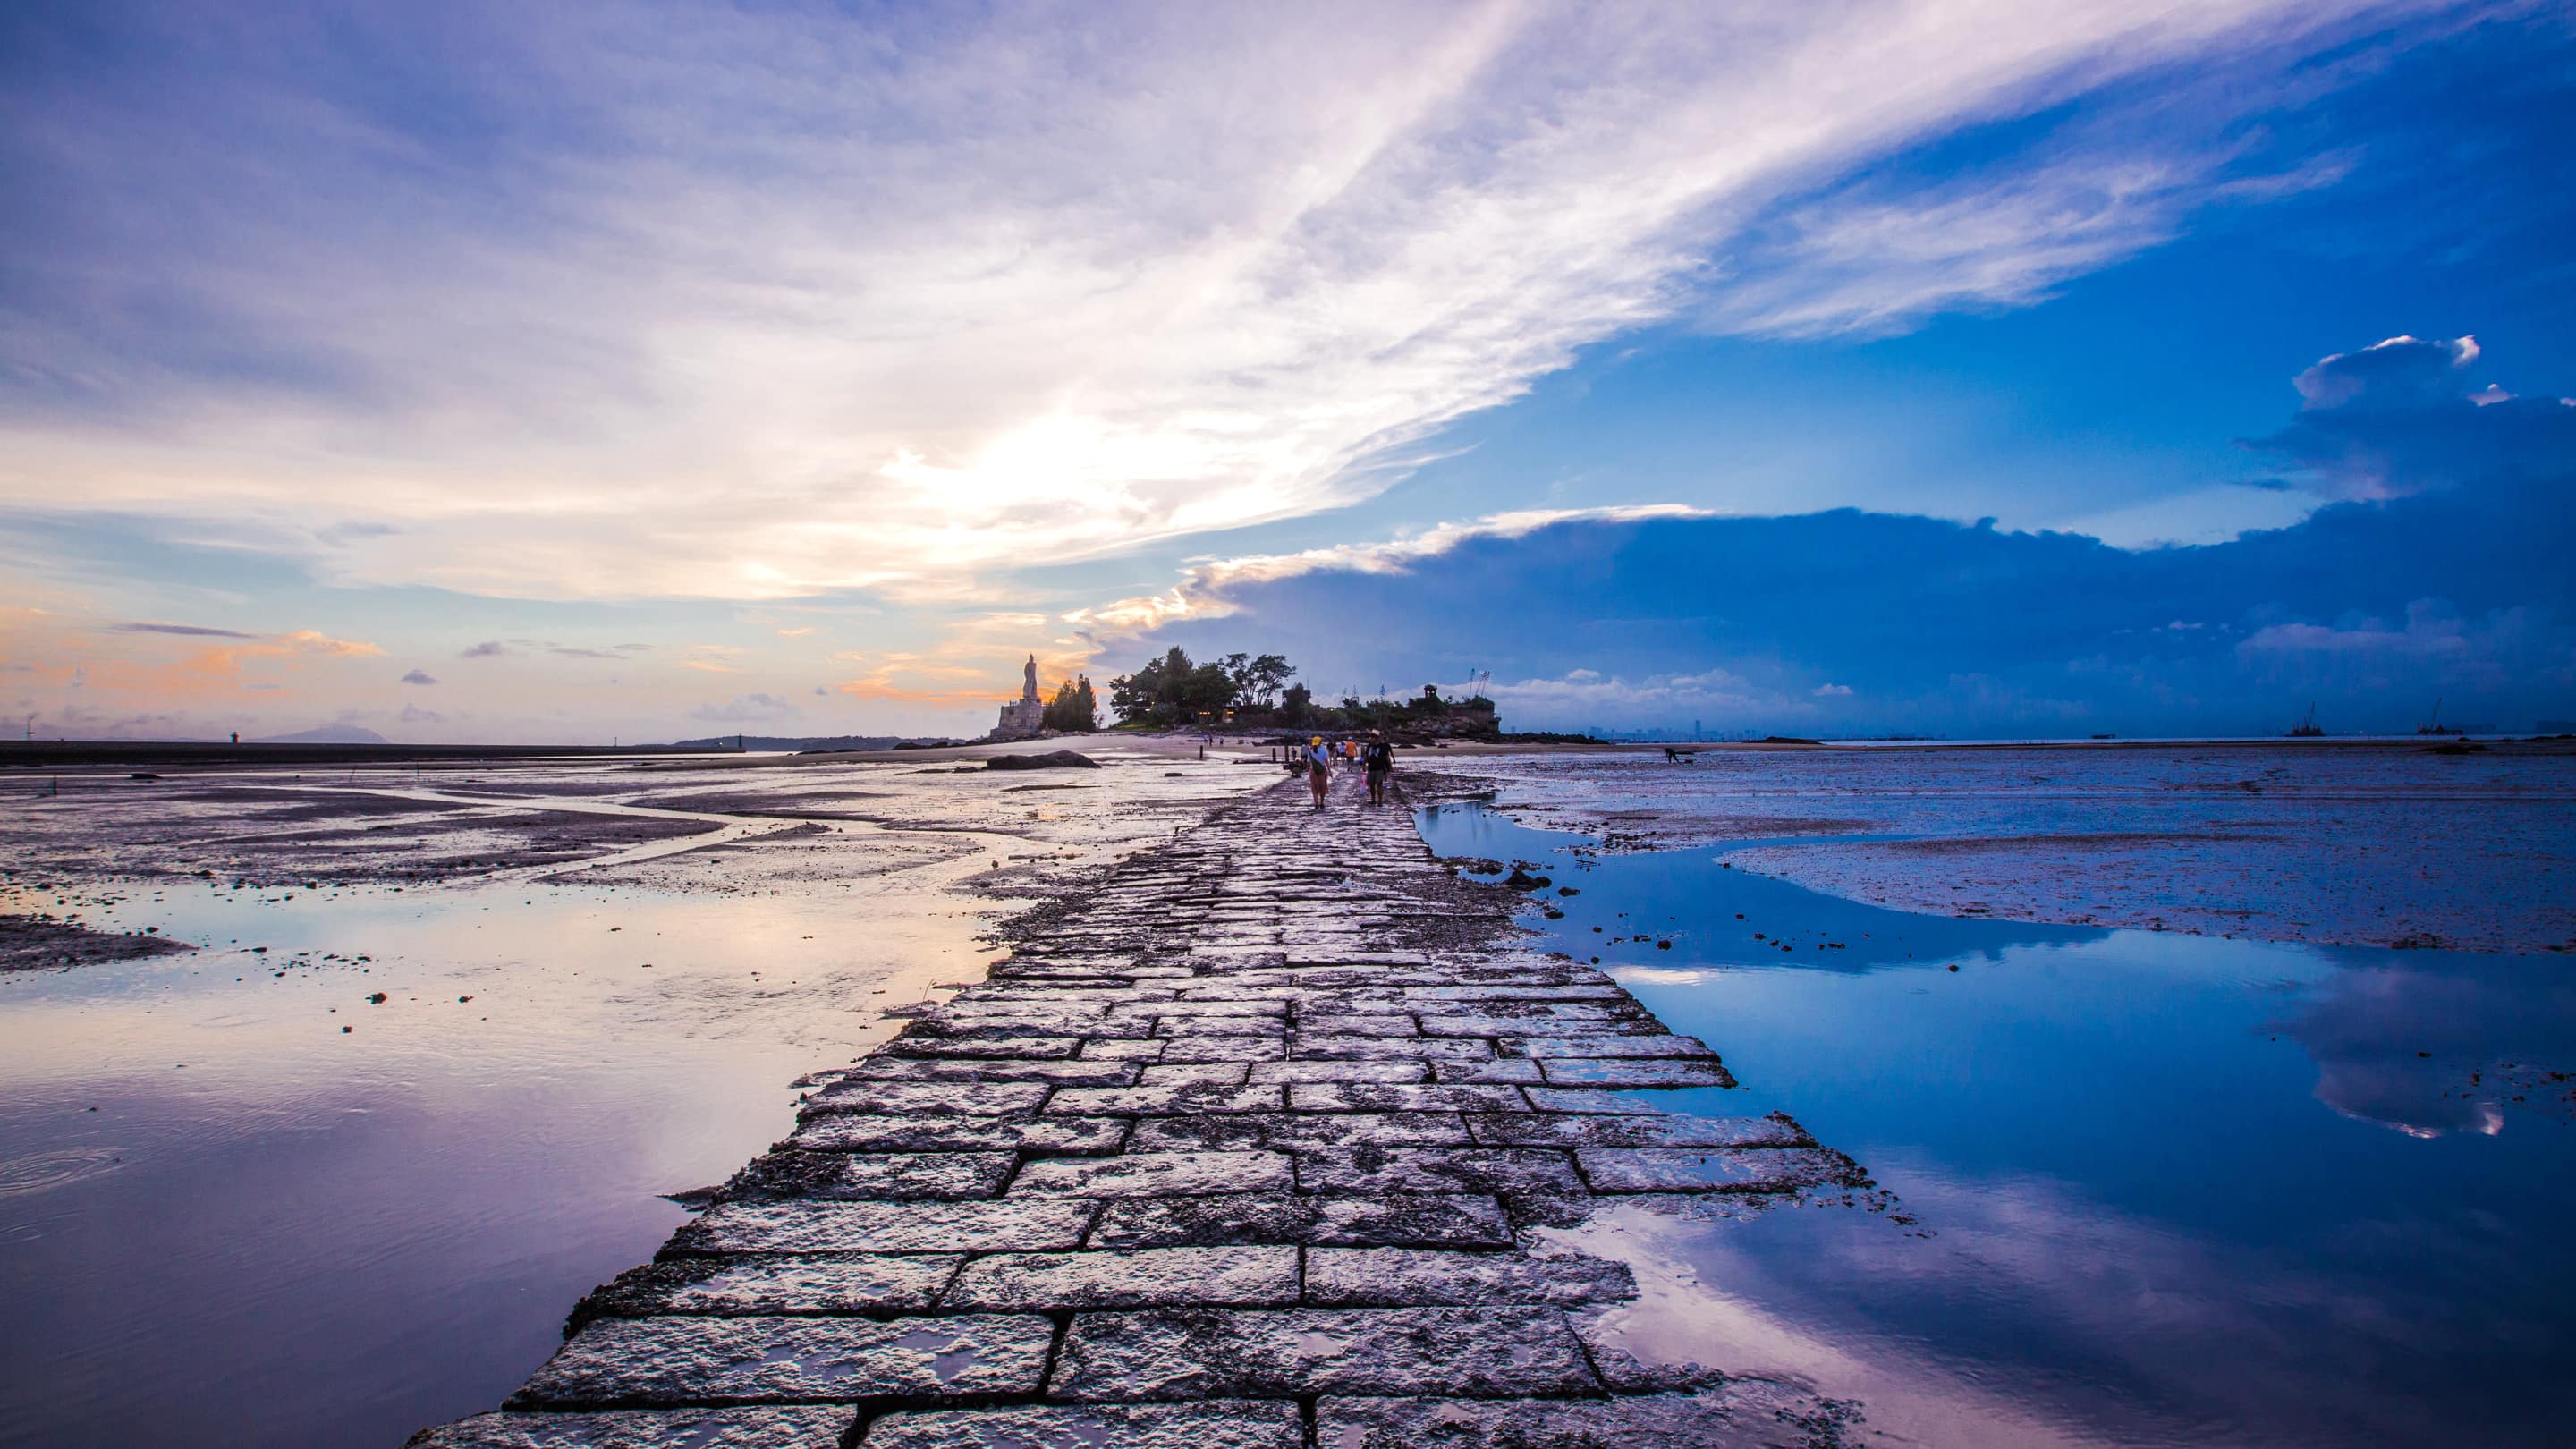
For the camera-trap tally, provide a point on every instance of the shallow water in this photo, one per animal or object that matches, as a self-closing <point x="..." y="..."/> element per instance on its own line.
<point x="224" y="1219"/>
<point x="2150" y="1188"/>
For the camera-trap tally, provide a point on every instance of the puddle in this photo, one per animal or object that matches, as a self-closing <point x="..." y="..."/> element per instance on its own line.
<point x="2149" y="1188"/>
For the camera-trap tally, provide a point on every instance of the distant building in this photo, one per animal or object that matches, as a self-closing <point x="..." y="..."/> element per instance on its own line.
<point x="1025" y="717"/>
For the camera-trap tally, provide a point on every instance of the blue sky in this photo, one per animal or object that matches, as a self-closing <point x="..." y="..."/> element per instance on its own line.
<point x="656" y="371"/>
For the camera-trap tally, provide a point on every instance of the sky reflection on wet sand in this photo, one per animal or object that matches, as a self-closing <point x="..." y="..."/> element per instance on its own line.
<point x="283" y="1234"/>
<point x="2164" y="1189"/>
<point x="272" y="1232"/>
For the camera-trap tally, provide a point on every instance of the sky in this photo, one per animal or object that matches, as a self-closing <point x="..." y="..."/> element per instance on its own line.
<point x="1982" y="368"/>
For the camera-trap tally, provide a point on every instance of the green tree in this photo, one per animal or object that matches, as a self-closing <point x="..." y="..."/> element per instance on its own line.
<point x="1258" y="678"/>
<point x="1073" y="709"/>
<point x="1133" y="697"/>
<point x="1170" y="690"/>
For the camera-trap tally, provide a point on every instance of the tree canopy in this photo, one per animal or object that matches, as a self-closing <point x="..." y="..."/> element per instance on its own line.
<point x="1074" y="708"/>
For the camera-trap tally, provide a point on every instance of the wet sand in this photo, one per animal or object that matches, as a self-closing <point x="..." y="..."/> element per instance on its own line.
<point x="2353" y="844"/>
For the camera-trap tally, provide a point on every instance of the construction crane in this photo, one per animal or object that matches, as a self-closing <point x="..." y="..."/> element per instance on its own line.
<point x="2308" y="728"/>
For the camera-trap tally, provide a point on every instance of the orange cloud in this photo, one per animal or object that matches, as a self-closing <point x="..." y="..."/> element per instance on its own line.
<point x="885" y="690"/>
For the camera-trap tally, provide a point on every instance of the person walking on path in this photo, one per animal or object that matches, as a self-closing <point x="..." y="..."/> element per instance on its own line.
<point x="1379" y="757"/>
<point x="1319" y="769"/>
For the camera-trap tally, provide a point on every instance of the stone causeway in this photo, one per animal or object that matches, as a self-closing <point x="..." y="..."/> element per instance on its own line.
<point x="1257" y="1144"/>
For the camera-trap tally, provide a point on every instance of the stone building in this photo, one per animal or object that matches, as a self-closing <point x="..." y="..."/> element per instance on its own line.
<point x="1025" y="717"/>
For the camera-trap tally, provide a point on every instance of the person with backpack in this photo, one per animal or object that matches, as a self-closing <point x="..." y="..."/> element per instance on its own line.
<point x="1319" y="769"/>
<point x="1379" y="758"/>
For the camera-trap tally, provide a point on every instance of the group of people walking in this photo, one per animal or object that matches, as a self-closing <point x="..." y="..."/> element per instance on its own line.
<point x="1374" y="755"/>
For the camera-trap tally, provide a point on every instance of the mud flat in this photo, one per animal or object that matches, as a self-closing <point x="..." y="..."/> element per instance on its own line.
<point x="36" y="943"/>
<point x="1274" y="1137"/>
<point x="2363" y="844"/>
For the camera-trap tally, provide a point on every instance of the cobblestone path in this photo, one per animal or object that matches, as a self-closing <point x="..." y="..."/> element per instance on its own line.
<point x="1257" y="1146"/>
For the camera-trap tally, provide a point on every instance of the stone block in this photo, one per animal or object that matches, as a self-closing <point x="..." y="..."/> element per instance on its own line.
<point x="1352" y="1129"/>
<point x="1548" y="1129"/>
<point x="1122" y="1049"/>
<point x="1217" y="1424"/>
<point x="1402" y="1097"/>
<point x="1204" y="1132"/>
<point x="629" y="1361"/>
<point x="1600" y="1073"/>
<point x="1395" y="1277"/>
<point x="962" y="1099"/>
<point x="843" y="1175"/>
<point x="883" y="1068"/>
<point x="1154" y="1174"/>
<point x="1715" y="1169"/>
<point x="753" y="1428"/>
<point x="937" y="1134"/>
<point x="1371" y="1169"/>
<point x="1635" y="1045"/>
<point x="1316" y="1023"/>
<point x="1585" y="1099"/>
<point x="1418" y="1220"/>
<point x="1340" y="1071"/>
<point x="1502" y="1070"/>
<point x="1194" y="1353"/>
<point x="1236" y="1276"/>
<point x="1543" y="989"/>
<point x="803" y="1226"/>
<point x="981" y="1044"/>
<point x="1202" y="1074"/>
<point x="1195" y="1048"/>
<point x="876" y="1283"/>
<point x="1168" y="1010"/>
<point x="1269" y="1028"/>
<point x="1500" y="1019"/>
<point x="1309" y="1046"/>
<point x="1086" y="1101"/>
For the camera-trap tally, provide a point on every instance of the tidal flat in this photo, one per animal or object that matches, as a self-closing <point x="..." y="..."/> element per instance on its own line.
<point x="2143" y="1185"/>
<point x="417" y="1058"/>
<point x="440" y="1044"/>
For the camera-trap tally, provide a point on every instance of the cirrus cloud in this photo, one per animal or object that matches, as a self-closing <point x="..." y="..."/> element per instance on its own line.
<point x="753" y="302"/>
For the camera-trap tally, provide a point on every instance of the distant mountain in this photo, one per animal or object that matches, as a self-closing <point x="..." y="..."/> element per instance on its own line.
<point x="803" y="742"/>
<point x="334" y="734"/>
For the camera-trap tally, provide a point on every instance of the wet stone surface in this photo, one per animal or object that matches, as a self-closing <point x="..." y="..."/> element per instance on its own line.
<point x="1275" y="1117"/>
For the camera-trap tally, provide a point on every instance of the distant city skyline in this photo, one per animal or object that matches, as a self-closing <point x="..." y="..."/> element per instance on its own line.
<point x="666" y="371"/>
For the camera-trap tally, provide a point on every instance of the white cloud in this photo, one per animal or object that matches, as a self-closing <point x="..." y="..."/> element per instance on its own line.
<point x="735" y="303"/>
<point x="1201" y="593"/>
<point x="1583" y="689"/>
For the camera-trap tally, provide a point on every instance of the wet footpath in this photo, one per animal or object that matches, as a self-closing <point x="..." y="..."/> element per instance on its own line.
<point x="1272" y="1139"/>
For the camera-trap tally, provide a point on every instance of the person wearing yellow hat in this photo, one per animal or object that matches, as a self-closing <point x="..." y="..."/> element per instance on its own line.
<point x="1319" y="769"/>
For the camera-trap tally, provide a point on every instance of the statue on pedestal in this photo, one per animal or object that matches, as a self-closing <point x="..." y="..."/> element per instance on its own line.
<point x="1025" y="717"/>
